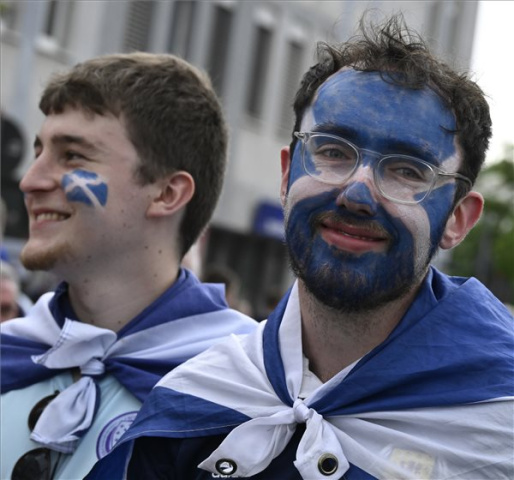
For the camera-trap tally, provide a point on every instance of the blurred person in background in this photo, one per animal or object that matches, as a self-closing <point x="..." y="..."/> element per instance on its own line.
<point x="4" y="255"/>
<point x="374" y="364"/>
<point x="232" y="284"/>
<point x="13" y="302"/>
<point x="129" y="165"/>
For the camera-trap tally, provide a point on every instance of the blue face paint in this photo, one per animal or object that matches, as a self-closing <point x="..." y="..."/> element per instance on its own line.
<point x="84" y="187"/>
<point x="438" y="207"/>
<point x="341" y="279"/>
<point x="386" y="118"/>
<point x="296" y="171"/>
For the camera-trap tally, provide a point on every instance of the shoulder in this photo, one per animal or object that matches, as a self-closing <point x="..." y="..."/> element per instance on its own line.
<point x="171" y="458"/>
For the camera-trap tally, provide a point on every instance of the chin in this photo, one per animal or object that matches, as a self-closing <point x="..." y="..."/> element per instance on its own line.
<point x="44" y="259"/>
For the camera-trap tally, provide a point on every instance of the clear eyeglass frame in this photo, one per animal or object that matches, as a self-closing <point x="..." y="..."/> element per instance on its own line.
<point x="433" y="171"/>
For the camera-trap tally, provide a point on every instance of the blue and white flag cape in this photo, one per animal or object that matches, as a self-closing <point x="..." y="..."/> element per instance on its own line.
<point x="187" y="319"/>
<point x="435" y="400"/>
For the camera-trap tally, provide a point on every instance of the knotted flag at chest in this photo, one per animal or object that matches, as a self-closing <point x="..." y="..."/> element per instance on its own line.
<point x="187" y="319"/>
<point x="440" y="387"/>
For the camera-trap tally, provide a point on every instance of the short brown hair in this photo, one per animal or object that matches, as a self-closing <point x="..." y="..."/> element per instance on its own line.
<point x="173" y="118"/>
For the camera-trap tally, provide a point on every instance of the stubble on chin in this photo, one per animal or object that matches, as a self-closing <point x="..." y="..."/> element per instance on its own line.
<point x="43" y="259"/>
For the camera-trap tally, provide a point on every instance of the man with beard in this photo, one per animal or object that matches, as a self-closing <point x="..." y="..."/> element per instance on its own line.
<point x="129" y="165"/>
<point x="374" y="365"/>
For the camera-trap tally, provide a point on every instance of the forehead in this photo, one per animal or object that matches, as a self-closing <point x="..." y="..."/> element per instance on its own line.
<point x="376" y="113"/>
<point x="77" y="122"/>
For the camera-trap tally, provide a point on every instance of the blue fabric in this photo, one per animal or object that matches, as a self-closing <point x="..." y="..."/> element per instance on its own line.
<point x="455" y="328"/>
<point x="18" y="369"/>
<point x="186" y="297"/>
<point x="459" y="340"/>
<point x="208" y="419"/>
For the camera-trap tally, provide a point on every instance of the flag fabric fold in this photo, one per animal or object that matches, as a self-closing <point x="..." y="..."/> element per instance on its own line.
<point x="435" y="400"/>
<point x="185" y="320"/>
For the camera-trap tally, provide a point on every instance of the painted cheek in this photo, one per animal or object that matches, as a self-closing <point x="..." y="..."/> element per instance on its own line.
<point x="299" y="224"/>
<point x="297" y="171"/>
<point x="438" y="207"/>
<point x="85" y="187"/>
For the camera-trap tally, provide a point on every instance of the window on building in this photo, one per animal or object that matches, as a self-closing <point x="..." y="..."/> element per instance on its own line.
<point x="261" y="56"/>
<point x="218" y="55"/>
<point x="292" y="74"/>
<point x="139" y="25"/>
<point x="57" y="22"/>
<point x="261" y="264"/>
<point x="433" y="20"/>
<point x="455" y="25"/>
<point x="9" y="13"/>
<point x="182" y="27"/>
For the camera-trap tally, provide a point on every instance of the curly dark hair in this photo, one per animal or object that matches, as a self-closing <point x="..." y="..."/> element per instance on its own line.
<point x="392" y="48"/>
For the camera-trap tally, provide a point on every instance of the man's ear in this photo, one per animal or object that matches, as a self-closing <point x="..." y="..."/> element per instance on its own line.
<point x="285" y="163"/>
<point x="464" y="217"/>
<point x="176" y="191"/>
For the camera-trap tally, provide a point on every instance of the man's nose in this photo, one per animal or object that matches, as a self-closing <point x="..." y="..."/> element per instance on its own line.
<point x="41" y="175"/>
<point x="358" y="194"/>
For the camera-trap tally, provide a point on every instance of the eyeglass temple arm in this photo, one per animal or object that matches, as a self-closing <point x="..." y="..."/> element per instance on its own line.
<point x="458" y="176"/>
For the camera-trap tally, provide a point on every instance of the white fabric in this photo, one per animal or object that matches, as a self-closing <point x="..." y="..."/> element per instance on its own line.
<point x="418" y="443"/>
<point x="87" y="347"/>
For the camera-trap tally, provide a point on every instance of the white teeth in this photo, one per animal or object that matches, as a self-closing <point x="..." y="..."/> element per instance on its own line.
<point x="49" y="216"/>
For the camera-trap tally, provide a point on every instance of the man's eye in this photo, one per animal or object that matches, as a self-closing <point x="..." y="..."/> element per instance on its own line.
<point x="71" y="155"/>
<point x="409" y="173"/>
<point x="334" y="153"/>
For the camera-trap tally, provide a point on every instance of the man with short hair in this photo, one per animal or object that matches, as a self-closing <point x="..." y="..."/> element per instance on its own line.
<point x="129" y="165"/>
<point x="375" y="364"/>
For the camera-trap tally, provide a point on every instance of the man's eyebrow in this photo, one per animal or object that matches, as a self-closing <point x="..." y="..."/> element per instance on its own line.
<point x="346" y="132"/>
<point x="414" y="149"/>
<point x="69" y="140"/>
<point x="410" y="147"/>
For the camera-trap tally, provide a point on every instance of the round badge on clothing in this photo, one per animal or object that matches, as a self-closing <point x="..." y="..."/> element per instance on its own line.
<point x="112" y="432"/>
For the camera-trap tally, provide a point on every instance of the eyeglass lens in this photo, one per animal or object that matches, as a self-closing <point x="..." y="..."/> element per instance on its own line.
<point x="35" y="464"/>
<point x="404" y="179"/>
<point x="332" y="160"/>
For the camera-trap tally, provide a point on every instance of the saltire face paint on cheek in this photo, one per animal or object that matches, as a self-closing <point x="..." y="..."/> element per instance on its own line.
<point x="85" y="187"/>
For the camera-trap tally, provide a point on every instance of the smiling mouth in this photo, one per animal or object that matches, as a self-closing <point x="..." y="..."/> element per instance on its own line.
<point x="50" y="216"/>
<point x="353" y="237"/>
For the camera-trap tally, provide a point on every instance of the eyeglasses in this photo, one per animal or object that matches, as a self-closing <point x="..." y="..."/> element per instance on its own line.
<point x="36" y="463"/>
<point x="401" y="178"/>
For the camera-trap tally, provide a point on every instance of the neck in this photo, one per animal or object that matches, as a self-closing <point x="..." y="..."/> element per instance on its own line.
<point x="114" y="297"/>
<point x="332" y="340"/>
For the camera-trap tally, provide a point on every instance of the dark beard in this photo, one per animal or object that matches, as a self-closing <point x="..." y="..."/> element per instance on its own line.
<point x="319" y="286"/>
<point x="353" y="283"/>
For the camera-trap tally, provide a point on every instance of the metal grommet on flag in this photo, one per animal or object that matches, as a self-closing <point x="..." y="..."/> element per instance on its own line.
<point x="328" y="464"/>
<point x="225" y="466"/>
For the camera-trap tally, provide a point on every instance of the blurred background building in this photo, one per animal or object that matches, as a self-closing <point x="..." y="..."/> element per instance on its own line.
<point x="255" y="53"/>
